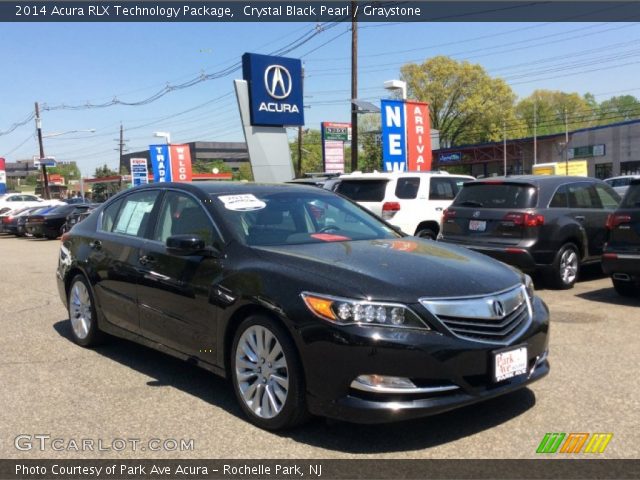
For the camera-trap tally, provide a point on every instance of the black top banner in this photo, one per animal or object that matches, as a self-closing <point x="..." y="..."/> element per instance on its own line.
<point x="318" y="11"/>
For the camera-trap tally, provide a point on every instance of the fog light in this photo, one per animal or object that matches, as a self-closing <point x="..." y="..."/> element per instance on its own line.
<point x="381" y="382"/>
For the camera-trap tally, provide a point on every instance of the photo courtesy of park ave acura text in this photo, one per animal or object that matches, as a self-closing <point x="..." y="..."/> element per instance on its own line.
<point x="325" y="239"/>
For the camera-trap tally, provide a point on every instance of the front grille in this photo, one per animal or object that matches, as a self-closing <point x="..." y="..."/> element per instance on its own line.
<point x="477" y="319"/>
<point x="487" y="329"/>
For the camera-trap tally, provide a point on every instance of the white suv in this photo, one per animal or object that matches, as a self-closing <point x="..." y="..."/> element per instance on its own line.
<point x="412" y="201"/>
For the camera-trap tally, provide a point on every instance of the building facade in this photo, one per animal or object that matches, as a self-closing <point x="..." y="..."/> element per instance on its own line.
<point x="610" y="150"/>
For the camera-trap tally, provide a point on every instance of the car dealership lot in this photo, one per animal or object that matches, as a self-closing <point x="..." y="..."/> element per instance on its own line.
<point x="52" y="387"/>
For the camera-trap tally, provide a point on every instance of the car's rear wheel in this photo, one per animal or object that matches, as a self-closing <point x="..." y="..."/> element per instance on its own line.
<point x="565" y="268"/>
<point x="82" y="313"/>
<point x="267" y="377"/>
<point x="427" y="233"/>
<point x="626" y="289"/>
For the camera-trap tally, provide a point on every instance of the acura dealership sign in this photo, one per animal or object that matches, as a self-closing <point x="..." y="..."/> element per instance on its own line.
<point x="275" y="89"/>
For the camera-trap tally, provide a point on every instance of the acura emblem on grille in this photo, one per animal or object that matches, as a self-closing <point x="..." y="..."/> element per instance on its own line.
<point x="498" y="308"/>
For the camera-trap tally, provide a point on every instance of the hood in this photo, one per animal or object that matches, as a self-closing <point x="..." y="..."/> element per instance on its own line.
<point x="400" y="270"/>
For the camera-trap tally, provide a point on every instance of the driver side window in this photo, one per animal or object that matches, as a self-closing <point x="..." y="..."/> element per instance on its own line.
<point x="181" y="214"/>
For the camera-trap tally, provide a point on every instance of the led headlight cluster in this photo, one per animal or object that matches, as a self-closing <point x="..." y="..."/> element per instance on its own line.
<point x="346" y="311"/>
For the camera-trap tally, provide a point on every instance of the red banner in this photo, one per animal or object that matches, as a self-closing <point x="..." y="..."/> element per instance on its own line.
<point x="419" y="155"/>
<point x="180" y="163"/>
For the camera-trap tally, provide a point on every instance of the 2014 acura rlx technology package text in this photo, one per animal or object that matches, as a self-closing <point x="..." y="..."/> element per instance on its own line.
<point x="307" y="302"/>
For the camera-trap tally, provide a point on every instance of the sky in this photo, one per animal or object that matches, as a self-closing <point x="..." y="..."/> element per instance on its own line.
<point x="64" y="65"/>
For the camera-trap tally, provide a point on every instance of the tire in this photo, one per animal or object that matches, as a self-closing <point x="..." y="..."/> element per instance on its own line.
<point x="82" y="313"/>
<point x="271" y="394"/>
<point x="625" y="289"/>
<point x="565" y="267"/>
<point x="426" y="233"/>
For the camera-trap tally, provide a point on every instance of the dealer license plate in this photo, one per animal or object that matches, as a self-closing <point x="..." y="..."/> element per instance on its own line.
<point x="477" y="225"/>
<point x="509" y="363"/>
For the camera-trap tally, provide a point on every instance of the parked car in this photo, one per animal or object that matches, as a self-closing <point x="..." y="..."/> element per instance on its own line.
<point x="20" y="200"/>
<point x="77" y="215"/>
<point x="306" y="301"/>
<point x="328" y="181"/>
<point x="412" y="201"/>
<point x="50" y="224"/>
<point x="8" y="219"/>
<point x="621" y="258"/>
<point x="550" y="223"/>
<point x="621" y="184"/>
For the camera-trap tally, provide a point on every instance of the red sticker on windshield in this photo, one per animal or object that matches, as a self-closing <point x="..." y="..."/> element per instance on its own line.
<point x="328" y="237"/>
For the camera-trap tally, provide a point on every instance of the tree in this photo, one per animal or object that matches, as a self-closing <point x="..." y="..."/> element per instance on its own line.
<point x="619" y="109"/>
<point x="69" y="171"/>
<point x="101" y="191"/>
<point x="370" y="155"/>
<point x="550" y="109"/>
<point x="311" y="151"/>
<point x="465" y="104"/>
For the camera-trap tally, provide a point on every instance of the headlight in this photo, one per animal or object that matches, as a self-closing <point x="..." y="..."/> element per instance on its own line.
<point x="345" y="311"/>
<point x="528" y="285"/>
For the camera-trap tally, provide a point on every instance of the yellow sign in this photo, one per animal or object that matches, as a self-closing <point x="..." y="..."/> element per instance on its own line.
<point x="574" y="168"/>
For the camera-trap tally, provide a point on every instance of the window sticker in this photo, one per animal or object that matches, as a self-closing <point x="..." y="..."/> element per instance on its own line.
<point x="242" y="203"/>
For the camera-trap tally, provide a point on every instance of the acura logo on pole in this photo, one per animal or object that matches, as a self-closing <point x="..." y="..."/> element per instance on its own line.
<point x="498" y="308"/>
<point x="277" y="81"/>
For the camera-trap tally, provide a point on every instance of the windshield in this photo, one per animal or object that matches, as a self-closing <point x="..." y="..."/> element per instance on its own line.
<point x="291" y="218"/>
<point x="632" y="198"/>
<point x="496" y="195"/>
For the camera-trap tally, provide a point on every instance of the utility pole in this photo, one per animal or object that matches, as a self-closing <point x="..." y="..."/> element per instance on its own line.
<point x="121" y="150"/>
<point x="354" y="86"/>
<point x="535" y="132"/>
<point x="45" y="178"/>
<point x="299" y="167"/>
<point x="566" y="143"/>
<point x="504" y="146"/>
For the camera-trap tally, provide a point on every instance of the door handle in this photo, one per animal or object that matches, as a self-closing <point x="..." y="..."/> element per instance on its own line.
<point x="96" y="244"/>
<point x="580" y="218"/>
<point x="146" y="260"/>
<point x="438" y="209"/>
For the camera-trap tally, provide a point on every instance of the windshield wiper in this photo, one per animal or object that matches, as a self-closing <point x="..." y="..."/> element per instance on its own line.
<point x="471" y="203"/>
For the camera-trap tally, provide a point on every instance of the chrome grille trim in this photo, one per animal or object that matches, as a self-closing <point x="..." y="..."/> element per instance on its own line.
<point x="476" y="318"/>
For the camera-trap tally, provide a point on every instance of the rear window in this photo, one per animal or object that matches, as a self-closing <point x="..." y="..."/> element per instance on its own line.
<point x="497" y="195"/>
<point x="632" y="198"/>
<point x="363" y="190"/>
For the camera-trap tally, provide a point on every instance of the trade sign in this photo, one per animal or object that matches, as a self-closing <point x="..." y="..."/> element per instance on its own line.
<point x="139" y="171"/>
<point x="275" y="89"/>
<point x="160" y="163"/>
<point x="180" y="163"/>
<point x="394" y="154"/>
<point x="3" y="177"/>
<point x="419" y="155"/>
<point x="333" y="155"/>
<point x="449" y="157"/>
<point x="336" y="131"/>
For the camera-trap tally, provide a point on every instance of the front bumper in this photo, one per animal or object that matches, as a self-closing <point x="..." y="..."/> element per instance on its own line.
<point x="334" y="356"/>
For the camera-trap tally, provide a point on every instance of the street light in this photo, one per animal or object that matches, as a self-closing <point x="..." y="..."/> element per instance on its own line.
<point x="165" y="135"/>
<point x="397" y="85"/>
<point x="57" y="134"/>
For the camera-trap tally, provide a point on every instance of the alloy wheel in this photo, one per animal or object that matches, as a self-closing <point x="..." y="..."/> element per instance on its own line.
<point x="262" y="373"/>
<point x="80" y="311"/>
<point x="568" y="266"/>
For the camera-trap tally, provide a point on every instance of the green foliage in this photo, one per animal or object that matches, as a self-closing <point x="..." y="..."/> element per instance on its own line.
<point x="465" y="104"/>
<point x="619" y="109"/>
<point x="551" y="107"/>
<point x="207" y="166"/>
<point x="69" y="171"/>
<point x="102" y="191"/>
<point x="370" y="154"/>
<point x="311" y="152"/>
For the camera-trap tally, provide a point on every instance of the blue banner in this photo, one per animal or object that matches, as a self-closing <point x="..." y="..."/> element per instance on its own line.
<point x="394" y="143"/>
<point x="275" y="89"/>
<point x="160" y="163"/>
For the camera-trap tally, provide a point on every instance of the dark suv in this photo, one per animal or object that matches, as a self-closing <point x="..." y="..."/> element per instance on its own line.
<point x="550" y="223"/>
<point x="621" y="258"/>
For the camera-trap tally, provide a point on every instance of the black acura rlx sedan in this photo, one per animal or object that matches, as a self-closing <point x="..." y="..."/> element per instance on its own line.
<point x="307" y="302"/>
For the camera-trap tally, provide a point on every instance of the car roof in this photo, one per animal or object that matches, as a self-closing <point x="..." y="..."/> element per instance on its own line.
<point x="234" y="188"/>
<point x="536" y="180"/>
<point x="389" y="175"/>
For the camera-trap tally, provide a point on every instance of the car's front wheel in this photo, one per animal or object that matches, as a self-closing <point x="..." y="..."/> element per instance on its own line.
<point x="626" y="289"/>
<point x="564" y="271"/>
<point x="82" y="313"/>
<point x="267" y="377"/>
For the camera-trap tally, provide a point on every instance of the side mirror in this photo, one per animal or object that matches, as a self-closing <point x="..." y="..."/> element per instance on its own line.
<point x="188" y="244"/>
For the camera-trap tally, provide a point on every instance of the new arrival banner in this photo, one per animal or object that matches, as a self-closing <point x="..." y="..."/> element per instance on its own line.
<point x="394" y="154"/>
<point x="419" y="154"/>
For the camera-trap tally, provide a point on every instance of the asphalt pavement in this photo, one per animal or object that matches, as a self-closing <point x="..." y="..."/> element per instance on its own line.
<point x="52" y="390"/>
